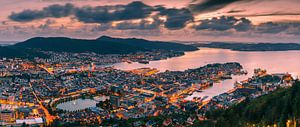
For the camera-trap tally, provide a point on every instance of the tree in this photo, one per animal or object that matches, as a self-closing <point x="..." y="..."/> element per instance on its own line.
<point x="24" y="124"/>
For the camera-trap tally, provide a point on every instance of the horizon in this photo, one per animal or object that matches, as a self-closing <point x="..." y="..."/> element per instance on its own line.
<point x="7" y="43"/>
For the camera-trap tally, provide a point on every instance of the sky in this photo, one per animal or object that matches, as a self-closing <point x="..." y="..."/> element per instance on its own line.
<point x="166" y="20"/>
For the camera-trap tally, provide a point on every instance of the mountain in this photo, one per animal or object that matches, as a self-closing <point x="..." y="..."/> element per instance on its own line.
<point x="274" y="108"/>
<point x="61" y="44"/>
<point x="252" y="46"/>
<point x="158" y="45"/>
<point x="102" y="45"/>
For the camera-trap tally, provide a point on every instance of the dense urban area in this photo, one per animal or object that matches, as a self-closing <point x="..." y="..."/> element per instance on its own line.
<point x="33" y="92"/>
<point x="149" y="63"/>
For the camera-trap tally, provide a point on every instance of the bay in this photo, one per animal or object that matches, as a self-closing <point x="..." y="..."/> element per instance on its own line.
<point x="272" y="61"/>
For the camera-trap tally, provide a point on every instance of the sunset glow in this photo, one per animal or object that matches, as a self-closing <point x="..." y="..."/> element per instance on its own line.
<point x="285" y="19"/>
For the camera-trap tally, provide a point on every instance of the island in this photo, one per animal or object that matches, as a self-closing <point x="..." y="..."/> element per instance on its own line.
<point x="251" y="46"/>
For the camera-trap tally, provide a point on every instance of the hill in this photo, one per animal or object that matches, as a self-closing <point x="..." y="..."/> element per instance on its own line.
<point x="275" y="108"/>
<point x="11" y="52"/>
<point x="102" y="45"/>
<point x="61" y="44"/>
<point x="8" y="52"/>
<point x="252" y="46"/>
<point x="150" y="45"/>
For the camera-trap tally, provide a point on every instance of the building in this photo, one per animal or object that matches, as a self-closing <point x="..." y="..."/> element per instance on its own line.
<point x="115" y="100"/>
<point x="7" y="116"/>
<point x="32" y="121"/>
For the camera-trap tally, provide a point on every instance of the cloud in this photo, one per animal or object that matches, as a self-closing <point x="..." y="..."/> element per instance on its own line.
<point x="4" y="22"/>
<point x="55" y="11"/>
<point x="143" y="33"/>
<point x="267" y="14"/>
<point x="224" y="23"/>
<point x="105" y="14"/>
<point x="27" y="15"/>
<point x="235" y="11"/>
<point x="47" y="24"/>
<point x="210" y="5"/>
<point x="243" y="24"/>
<point x="280" y="27"/>
<point x="176" y="18"/>
<point x="229" y="23"/>
<point x="87" y="14"/>
<point x="271" y="27"/>
<point x="62" y="27"/>
<point x="101" y="27"/>
<point x="139" y="16"/>
<point x="142" y="25"/>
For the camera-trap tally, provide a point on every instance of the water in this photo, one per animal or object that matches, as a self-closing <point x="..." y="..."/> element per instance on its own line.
<point x="273" y="61"/>
<point x="78" y="104"/>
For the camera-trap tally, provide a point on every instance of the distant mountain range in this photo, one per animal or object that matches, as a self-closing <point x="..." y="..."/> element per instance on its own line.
<point x="103" y="45"/>
<point x="5" y="43"/>
<point x="252" y="46"/>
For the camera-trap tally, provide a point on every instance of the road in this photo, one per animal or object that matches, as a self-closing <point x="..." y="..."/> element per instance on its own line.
<point x="49" y="117"/>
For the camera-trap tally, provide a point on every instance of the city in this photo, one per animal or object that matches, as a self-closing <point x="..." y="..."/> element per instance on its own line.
<point x="149" y="63"/>
<point x="33" y="91"/>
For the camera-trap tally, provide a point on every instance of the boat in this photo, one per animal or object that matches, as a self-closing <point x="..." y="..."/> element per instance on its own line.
<point x="144" y="61"/>
<point x="127" y="61"/>
<point x="198" y="91"/>
<point x="226" y="77"/>
<point x="203" y="98"/>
